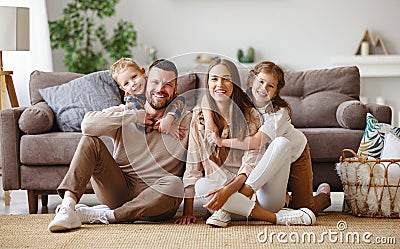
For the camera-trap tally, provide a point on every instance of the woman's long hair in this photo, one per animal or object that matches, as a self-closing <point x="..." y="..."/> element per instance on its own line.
<point x="270" y="67"/>
<point x="242" y="104"/>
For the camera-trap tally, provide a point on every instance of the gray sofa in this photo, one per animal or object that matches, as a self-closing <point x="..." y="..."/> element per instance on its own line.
<point x="35" y="154"/>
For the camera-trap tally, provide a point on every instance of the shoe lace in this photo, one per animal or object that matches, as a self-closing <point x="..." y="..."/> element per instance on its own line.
<point x="223" y="215"/>
<point x="61" y="209"/>
<point x="293" y="219"/>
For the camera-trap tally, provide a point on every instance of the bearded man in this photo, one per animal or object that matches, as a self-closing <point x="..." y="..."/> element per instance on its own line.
<point x="141" y="179"/>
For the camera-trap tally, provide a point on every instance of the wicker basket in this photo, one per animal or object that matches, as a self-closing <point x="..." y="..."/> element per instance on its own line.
<point x="371" y="186"/>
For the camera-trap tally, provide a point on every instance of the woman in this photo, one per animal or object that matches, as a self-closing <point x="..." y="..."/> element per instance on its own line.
<point x="217" y="175"/>
<point x="265" y="83"/>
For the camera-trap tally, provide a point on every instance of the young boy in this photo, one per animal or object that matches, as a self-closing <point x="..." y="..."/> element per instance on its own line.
<point x="132" y="80"/>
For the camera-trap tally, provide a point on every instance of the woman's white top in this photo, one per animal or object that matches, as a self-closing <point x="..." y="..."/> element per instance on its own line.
<point x="278" y="124"/>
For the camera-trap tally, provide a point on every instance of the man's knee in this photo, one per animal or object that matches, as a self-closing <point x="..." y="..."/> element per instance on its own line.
<point x="89" y="141"/>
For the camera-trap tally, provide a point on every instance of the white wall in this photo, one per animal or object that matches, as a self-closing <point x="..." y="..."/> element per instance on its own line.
<point x="22" y="63"/>
<point x="297" y="34"/>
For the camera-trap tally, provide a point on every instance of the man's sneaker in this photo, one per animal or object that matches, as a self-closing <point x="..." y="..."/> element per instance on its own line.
<point x="66" y="219"/>
<point x="219" y="218"/>
<point x="95" y="214"/>
<point x="302" y="216"/>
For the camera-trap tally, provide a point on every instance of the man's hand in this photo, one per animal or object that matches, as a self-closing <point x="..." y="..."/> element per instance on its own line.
<point x="218" y="200"/>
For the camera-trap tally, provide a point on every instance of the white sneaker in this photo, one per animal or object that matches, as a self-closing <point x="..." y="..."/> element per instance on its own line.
<point x="302" y="216"/>
<point x="95" y="214"/>
<point x="220" y="218"/>
<point x="324" y="188"/>
<point x="66" y="219"/>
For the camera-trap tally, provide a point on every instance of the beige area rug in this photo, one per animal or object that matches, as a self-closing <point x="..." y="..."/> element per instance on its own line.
<point x="333" y="230"/>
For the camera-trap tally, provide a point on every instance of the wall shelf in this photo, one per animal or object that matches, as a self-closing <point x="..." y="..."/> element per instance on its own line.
<point x="371" y="65"/>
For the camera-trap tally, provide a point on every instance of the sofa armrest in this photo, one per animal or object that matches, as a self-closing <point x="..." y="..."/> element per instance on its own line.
<point x="10" y="136"/>
<point x="382" y="113"/>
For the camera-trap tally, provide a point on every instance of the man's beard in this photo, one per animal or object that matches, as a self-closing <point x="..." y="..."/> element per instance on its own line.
<point x="159" y="105"/>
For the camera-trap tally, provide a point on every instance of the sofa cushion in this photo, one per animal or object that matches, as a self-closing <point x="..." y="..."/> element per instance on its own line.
<point x="326" y="145"/>
<point x="40" y="80"/>
<point x="71" y="101"/>
<point x="35" y="119"/>
<point x="374" y="135"/>
<point x="52" y="148"/>
<point x="352" y="114"/>
<point x="186" y="88"/>
<point x="316" y="110"/>
<point x="47" y="177"/>
<point x="315" y="95"/>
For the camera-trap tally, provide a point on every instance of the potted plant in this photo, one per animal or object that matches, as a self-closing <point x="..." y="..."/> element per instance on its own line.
<point x="84" y="38"/>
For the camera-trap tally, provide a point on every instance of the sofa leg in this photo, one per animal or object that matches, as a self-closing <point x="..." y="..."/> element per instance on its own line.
<point x="7" y="198"/>
<point x="32" y="202"/>
<point x="45" y="200"/>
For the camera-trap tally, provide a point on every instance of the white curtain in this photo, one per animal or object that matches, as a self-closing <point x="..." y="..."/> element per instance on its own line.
<point x="40" y="39"/>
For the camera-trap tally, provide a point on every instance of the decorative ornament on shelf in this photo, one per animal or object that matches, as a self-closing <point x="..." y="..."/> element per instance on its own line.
<point x="249" y="58"/>
<point x="368" y="45"/>
<point x="204" y="58"/>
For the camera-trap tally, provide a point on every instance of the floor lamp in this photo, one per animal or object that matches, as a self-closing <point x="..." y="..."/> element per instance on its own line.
<point x="15" y="24"/>
<point x="6" y="86"/>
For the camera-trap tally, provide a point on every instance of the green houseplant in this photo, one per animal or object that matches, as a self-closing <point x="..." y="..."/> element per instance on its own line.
<point x="85" y="40"/>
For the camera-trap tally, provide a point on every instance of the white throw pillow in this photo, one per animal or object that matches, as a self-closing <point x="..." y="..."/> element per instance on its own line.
<point x="391" y="148"/>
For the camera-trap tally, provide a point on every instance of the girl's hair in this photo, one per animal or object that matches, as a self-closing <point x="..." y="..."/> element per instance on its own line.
<point x="242" y="103"/>
<point x="276" y="71"/>
<point x="121" y="65"/>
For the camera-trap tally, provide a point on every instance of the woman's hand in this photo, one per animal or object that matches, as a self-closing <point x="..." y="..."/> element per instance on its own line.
<point x="186" y="219"/>
<point x="213" y="139"/>
<point x="218" y="200"/>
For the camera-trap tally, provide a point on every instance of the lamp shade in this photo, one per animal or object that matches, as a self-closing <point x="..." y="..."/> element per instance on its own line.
<point x="14" y="26"/>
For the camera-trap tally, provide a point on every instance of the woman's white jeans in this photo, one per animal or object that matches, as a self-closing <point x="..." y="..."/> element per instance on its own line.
<point x="268" y="179"/>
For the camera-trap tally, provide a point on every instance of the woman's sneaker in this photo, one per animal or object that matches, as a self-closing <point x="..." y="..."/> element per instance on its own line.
<point x="95" y="214"/>
<point x="302" y="216"/>
<point x="66" y="219"/>
<point x="219" y="218"/>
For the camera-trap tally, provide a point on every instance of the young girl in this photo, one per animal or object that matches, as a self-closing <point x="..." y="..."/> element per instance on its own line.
<point x="217" y="176"/>
<point x="265" y="83"/>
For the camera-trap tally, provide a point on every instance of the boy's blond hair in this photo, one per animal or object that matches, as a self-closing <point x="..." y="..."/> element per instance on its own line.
<point x="121" y="65"/>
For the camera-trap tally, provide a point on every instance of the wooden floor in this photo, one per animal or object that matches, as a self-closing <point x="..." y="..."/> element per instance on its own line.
<point x="19" y="202"/>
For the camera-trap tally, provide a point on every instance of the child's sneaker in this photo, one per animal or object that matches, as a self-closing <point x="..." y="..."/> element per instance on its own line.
<point x="219" y="218"/>
<point x="302" y="216"/>
<point x="66" y="219"/>
<point x="95" y="214"/>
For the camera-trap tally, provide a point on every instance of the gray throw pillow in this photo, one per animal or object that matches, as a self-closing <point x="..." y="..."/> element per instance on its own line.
<point x="71" y="101"/>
